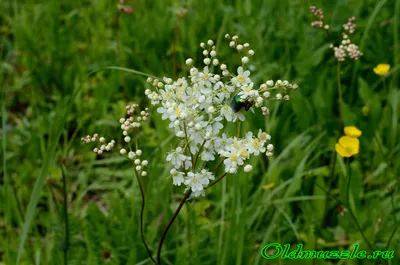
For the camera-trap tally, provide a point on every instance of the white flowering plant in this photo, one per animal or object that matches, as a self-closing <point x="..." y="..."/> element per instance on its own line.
<point x="197" y="108"/>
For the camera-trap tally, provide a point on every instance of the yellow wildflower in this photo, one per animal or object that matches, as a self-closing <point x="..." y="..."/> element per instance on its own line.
<point x="382" y="69"/>
<point x="352" y="131"/>
<point x="347" y="146"/>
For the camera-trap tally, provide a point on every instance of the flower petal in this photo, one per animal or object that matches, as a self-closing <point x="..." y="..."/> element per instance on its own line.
<point x="382" y="69"/>
<point x="352" y="131"/>
<point x="342" y="151"/>
<point x="351" y="144"/>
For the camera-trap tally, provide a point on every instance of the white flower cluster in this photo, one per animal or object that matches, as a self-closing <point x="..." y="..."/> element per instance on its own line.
<point x="95" y="138"/>
<point x="197" y="107"/>
<point x="346" y="48"/>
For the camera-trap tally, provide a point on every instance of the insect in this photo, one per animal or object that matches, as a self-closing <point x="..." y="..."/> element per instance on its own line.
<point x="237" y="104"/>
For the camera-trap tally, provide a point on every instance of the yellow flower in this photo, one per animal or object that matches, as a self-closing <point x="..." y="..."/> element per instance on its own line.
<point x="347" y="146"/>
<point x="352" y="131"/>
<point x="382" y="69"/>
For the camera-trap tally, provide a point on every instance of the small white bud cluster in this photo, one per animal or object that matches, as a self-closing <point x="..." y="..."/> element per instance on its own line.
<point x="209" y="53"/>
<point x="283" y="87"/>
<point x="132" y="122"/>
<point x="134" y="156"/>
<point x="320" y="15"/>
<point x="346" y="48"/>
<point x="245" y="48"/>
<point x="95" y="138"/>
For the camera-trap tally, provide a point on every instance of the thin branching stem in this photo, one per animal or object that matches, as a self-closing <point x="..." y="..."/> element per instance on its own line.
<point x="141" y="215"/>
<point x="352" y="216"/>
<point x="187" y="194"/>
<point x="219" y="165"/>
<point x="217" y="180"/>
<point x="198" y="154"/>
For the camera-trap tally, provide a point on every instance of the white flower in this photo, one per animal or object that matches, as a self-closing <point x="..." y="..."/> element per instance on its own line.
<point x="198" y="181"/>
<point x="177" y="177"/>
<point x="196" y="107"/>
<point x="242" y="79"/>
<point x="233" y="158"/>
<point x="176" y="157"/>
<point x="256" y="146"/>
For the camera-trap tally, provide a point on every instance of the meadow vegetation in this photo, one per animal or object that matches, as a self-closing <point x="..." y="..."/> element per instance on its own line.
<point x="57" y="86"/>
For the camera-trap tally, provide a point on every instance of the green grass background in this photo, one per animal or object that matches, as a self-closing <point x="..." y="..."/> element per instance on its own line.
<point x="50" y="97"/>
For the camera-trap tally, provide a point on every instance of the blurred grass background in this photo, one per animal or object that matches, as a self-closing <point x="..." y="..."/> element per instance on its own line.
<point x="49" y="100"/>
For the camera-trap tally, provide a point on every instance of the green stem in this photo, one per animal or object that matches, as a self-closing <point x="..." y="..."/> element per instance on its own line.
<point x="217" y="180"/>
<point x="348" y="181"/>
<point x="198" y="154"/>
<point x="353" y="217"/>
<point x="395" y="218"/>
<point x="141" y="215"/>
<point x="65" y="195"/>
<point x="188" y="237"/>
<point x="187" y="194"/>
<point x="339" y="84"/>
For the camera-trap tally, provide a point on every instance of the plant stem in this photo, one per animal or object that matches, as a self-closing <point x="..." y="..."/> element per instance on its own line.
<point x="395" y="219"/>
<point x="238" y="130"/>
<point x="188" y="237"/>
<point x="219" y="165"/>
<point x="352" y="216"/>
<point x="217" y="180"/>
<point x="141" y="215"/>
<point x="187" y="194"/>
<point x="348" y="181"/>
<point x="198" y="154"/>
<point x="65" y="195"/>
<point x="340" y="98"/>
<point x="339" y="85"/>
